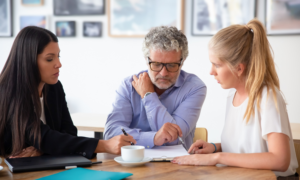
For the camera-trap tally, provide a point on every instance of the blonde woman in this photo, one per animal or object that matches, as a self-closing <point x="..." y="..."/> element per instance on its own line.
<point x="257" y="132"/>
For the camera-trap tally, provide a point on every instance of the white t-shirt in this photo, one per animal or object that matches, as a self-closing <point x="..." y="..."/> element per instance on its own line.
<point x="239" y="137"/>
<point x="43" y="118"/>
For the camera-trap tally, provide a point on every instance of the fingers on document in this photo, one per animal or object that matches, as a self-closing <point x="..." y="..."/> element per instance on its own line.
<point x="195" y="147"/>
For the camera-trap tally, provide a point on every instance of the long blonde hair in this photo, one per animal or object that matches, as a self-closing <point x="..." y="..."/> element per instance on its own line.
<point x="248" y="44"/>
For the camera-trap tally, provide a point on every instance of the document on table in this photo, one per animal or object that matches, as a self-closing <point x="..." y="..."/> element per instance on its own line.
<point x="165" y="153"/>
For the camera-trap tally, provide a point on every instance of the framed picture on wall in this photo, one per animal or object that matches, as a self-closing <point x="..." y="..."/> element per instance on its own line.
<point x="135" y="18"/>
<point x="208" y="16"/>
<point x="32" y="2"/>
<point x="282" y="17"/>
<point x="40" y="21"/>
<point x="65" y="28"/>
<point x="5" y="18"/>
<point x="78" y="7"/>
<point x="92" y="29"/>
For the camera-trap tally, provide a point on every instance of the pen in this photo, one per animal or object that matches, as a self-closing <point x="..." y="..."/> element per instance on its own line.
<point x="124" y="132"/>
<point x="182" y="142"/>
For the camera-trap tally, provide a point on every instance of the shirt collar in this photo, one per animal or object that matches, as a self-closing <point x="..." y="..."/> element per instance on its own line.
<point x="180" y="79"/>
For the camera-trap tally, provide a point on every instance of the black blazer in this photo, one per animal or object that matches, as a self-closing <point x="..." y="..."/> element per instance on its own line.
<point x="58" y="135"/>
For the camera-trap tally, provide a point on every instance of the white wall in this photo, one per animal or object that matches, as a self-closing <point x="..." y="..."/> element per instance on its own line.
<point x="93" y="67"/>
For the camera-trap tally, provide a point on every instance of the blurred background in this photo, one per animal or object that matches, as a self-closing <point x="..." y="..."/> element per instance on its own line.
<point x="99" y="49"/>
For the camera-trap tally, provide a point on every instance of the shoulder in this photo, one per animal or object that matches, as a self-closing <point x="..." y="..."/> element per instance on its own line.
<point x="269" y="92"/>
<point x="125" y="88"/>
<point x="270" y="98"/>
<point x="191" y="80"/>
<point x="126" y="82"/>
<point x="58" y="85"/>
<point x="55" y="88"/>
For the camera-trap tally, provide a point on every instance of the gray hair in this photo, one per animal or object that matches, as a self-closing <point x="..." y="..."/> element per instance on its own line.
<point x="165" y="38"/>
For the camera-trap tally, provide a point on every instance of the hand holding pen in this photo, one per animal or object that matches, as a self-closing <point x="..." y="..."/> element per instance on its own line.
<point x="124" y="132"/>
<point x="169" y="132"/>
<point x="114" y="144"/>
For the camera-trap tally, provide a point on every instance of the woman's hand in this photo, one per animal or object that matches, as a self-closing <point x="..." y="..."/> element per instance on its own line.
<point x="201" y="147"/>
<point x="114" y="144"/>
<point x="28" y="152"/>
<point x="197" y="159"/>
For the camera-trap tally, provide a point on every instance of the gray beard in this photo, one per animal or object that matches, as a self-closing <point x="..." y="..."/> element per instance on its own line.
<point x="153" y="82"/>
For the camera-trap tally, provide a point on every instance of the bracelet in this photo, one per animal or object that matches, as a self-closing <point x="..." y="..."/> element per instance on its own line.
<point x="215" y="147"/>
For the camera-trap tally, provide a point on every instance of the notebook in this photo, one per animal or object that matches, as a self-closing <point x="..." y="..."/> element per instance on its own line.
<point x="46" y="162"/>
<point x="84" y="174"/>
<point x="165" y="153"/>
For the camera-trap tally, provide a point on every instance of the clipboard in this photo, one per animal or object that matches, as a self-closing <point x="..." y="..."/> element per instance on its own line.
<point x="162" y="159"/>
<point x="165" y="153"/>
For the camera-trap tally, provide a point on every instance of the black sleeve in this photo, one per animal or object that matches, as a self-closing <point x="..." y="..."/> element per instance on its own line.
<point x="60" y="135"/>
<point x="54" y="142"/>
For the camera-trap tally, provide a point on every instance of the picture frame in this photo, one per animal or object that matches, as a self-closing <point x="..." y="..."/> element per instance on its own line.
<point x="34" y="20"/>
<point x="282" y="17"/>
<point x="92" y="29"/>
<point x="6" y="28"/>
<point x="65" y="28"/>
<point x="208" y="17"/>
<point x="136" y="18"/>
<point x="32" y="2"/>
<point x="78" y="7"/>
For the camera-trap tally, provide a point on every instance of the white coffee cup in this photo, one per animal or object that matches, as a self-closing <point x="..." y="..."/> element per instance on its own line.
<point x="132" y="153"/>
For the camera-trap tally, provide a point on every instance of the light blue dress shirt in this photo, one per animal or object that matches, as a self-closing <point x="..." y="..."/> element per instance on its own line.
<point x="142" y="118"/>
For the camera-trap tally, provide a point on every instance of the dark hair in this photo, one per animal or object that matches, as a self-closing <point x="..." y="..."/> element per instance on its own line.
<point x="20" y="107"/>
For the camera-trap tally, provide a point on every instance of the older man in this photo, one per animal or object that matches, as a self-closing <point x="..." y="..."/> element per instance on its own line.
<point x="160" y="105"/>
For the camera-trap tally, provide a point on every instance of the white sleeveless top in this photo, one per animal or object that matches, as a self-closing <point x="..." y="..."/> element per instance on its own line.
<point x="239" y="137"/>
<point x="43" y="118"/>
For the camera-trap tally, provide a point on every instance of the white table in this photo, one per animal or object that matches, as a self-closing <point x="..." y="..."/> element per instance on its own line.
<point x="90" y="122"/>
<point x="295" y="127"/>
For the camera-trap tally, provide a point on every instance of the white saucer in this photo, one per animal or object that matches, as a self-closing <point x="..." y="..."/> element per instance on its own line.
<point x="132" y="164"/>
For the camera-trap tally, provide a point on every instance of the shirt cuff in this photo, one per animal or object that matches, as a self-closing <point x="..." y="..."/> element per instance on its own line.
<point x="147" y="139"/>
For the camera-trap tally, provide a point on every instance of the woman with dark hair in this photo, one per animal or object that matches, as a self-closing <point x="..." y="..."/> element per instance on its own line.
<point x="34" y="117"/>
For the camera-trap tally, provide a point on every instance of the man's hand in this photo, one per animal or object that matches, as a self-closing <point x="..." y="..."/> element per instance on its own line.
<point x="114" y="144"/>
<point x="28" y="152"/>
<point x="168" y="133"/>
<point x="143" y="84"/>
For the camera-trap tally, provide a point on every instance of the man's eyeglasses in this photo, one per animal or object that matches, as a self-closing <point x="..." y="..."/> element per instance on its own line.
<point x="157" y="66"/>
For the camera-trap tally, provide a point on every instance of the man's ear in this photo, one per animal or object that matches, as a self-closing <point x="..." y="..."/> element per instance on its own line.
<point x="240" y="69"/>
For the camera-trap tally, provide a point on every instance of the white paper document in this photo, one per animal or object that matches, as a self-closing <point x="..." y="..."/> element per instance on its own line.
<point x="165" y="153"/>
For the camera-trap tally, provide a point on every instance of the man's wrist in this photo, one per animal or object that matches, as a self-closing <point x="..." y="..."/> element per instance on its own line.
<point x="146" y="94"/>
